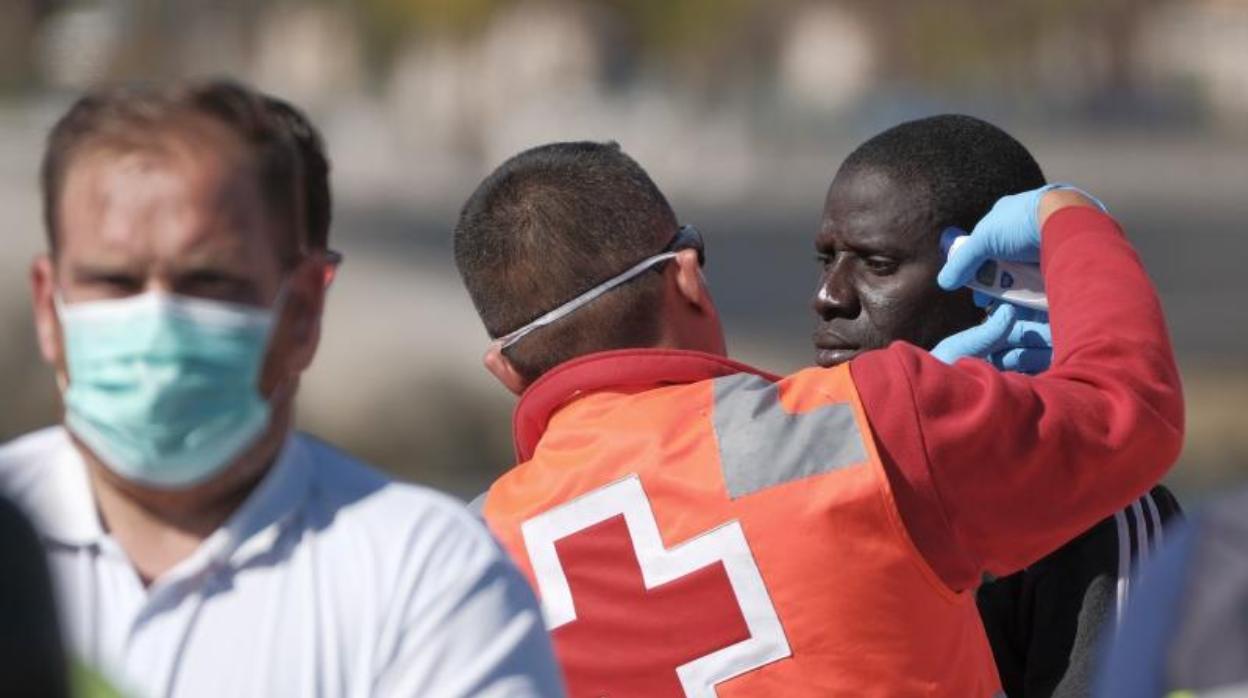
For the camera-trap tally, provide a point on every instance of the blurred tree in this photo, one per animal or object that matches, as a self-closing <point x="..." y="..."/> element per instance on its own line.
<point x="18" y="19"/>
<point x="974" y="41"/>
<point x="388" y="24"/>
<point x="431" y="15"/>
<point x="682" y="27"/>
<point x="712" y="43"/>
<point x="691" y="35"/>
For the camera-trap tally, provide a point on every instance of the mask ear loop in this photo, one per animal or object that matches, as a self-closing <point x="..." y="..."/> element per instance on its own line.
<point x="286" y="387"/>
<point x="276" y="310"/>
<point x="284" y="391"/>
<point x="58" y="308"/>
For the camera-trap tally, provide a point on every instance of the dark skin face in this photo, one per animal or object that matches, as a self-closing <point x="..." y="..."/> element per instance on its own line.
<point x="879" y="252"/>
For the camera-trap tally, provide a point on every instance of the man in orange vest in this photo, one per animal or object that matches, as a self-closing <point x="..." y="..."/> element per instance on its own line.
<point x="697" y="527"/>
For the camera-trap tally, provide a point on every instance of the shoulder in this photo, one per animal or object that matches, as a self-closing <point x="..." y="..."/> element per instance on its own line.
<point x="23" y="460"/>
<point x="413" y="526"/>
<point x="363" y="492"/>
<point x="28" y="448"/>
<point x="446" y="610"/>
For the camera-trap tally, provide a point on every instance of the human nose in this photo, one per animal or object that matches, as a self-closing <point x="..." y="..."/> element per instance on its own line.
<point x="835" y="295"/>
<point x="159" y="284"/>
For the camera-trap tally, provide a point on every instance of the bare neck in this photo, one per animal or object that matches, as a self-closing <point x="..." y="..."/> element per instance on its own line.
<point x="158" y="528"/>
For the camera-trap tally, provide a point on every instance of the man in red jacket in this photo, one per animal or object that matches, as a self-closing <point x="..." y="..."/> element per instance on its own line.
<point x="880" y="252"/>
<point x="697" y="527"/>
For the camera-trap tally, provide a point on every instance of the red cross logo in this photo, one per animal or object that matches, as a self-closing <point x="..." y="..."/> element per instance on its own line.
<point x="631" y="618"/>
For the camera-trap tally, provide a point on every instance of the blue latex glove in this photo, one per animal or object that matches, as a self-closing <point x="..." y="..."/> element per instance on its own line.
<point x="1010" y="232"/>
<point x="1012" y="338"/>
<point x="1029" y="346"/>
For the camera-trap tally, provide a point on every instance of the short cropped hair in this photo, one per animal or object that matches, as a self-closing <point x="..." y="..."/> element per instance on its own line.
<point x="144" y="118"/>
<point x="551" y="223"/>
<point x="317" y="196"/>
<point x="957" y="165"/>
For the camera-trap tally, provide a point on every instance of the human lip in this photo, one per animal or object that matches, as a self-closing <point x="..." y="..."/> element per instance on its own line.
<point x="831" y="350"/>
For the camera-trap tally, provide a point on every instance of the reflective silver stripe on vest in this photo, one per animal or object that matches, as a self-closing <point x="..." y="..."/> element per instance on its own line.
<point x="762" y="445"/>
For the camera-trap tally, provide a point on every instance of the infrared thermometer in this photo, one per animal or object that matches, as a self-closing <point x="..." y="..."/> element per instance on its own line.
<point x="1012" y="282"/>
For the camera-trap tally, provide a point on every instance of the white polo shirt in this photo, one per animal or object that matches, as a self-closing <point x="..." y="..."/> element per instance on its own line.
<point x="330" y="580"/>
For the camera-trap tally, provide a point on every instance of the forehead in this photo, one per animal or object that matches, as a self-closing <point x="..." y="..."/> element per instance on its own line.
<point x="868" y="206"/>
<point x="173" y="196"/>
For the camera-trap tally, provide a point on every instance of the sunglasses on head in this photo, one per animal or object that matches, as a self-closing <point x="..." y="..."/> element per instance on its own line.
<point x="686" y="238"/>
<point x="333" y="260"/>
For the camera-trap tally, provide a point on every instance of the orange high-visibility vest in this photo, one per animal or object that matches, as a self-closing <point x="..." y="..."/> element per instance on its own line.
<point x="731" y="537"/>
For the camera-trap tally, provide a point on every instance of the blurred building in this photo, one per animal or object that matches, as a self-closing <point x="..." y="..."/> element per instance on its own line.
<point x="1202" y="48"/>
<point x="826" y="58"/>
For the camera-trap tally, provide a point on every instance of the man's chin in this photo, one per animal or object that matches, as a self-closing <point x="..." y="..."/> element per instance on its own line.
<point x="828" y="358"/>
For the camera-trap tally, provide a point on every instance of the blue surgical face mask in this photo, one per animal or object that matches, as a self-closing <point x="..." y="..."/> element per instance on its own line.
<point x="164" y="389"/>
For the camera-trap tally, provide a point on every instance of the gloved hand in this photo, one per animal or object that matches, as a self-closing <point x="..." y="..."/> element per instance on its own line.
<point x="1029" y="347"/>
<point x="1010" y="232"/>
<point x="1011" y="338"/>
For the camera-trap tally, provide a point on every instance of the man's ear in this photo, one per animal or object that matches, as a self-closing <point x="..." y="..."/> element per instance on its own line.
<point x="305" y="301"/>
<point x="43" y="304"/>
<point x="690" y="283"/>
<point x="297" y="334"/>
<point x="501" y="368"/>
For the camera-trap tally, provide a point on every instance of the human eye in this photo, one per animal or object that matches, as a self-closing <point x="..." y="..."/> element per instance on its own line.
<point x="880" y="264"/>
<point x="216" y="285"/>
<point x="118" y="282"/>
<point x="109" y="283"/>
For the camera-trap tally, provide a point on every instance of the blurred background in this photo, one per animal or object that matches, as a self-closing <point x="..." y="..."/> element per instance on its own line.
<point x="740" y="109"/>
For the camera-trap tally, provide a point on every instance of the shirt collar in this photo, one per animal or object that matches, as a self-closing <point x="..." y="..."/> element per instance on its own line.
<point x="61" y="503"/>
<point x="64" y="509"/>
<point x="611" y="369"/>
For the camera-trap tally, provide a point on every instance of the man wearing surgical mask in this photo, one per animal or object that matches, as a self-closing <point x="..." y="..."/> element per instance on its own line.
<point x="199" y="546"/>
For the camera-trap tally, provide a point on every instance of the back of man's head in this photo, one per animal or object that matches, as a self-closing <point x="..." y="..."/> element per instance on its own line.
<point x="551" y="223"/>
<point x="956" y="166"/>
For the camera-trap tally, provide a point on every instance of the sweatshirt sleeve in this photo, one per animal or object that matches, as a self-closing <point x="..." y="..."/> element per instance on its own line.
<point x="991" y="470"/>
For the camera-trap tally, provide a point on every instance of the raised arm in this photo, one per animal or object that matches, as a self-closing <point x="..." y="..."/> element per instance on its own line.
<point x="994" y="470"/>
